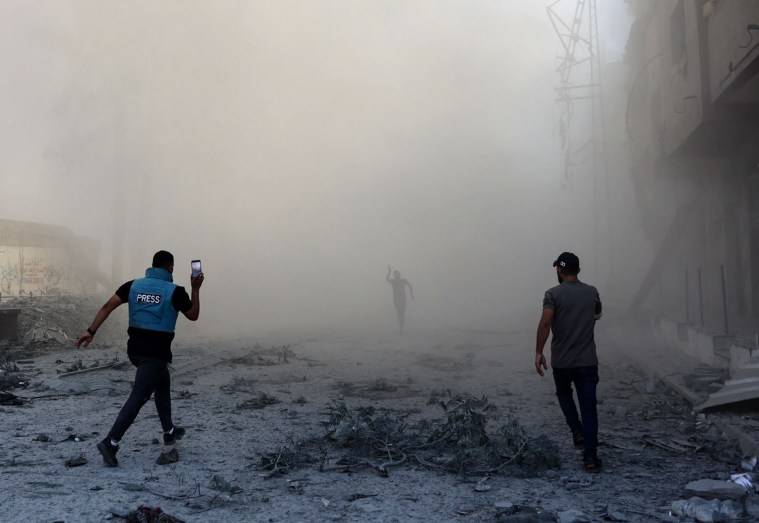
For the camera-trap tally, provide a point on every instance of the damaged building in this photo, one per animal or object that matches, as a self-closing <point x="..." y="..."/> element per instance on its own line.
<point x="38" y="261"/>
<point x="692" y="121"/>
<point x="42" y="260"/>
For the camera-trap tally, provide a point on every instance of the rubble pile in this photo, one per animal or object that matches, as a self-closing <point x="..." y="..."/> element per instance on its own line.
<point x="715" y="500"/>
<point x="150" y="515"/>
<point x="58" y="320"/>
<point x="469" y="439"/>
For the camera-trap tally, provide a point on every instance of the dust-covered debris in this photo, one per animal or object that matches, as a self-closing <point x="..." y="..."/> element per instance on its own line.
<point x="260" y="401"/>
<point x="238" y="384"/>
<point x="376" y="389"/>
<point x="459" y="442"/>
<point x="258" y="356"/>
<point x="77" y="461"/>
<point x="53" y="321"/>
<point x="149" y="515"/>
<point x="291" y="457"/>
<point x="221" y="485"/>
<point x="167" y="458"/>
<point x="78" y="366"/>
<point x="520" y="514"/>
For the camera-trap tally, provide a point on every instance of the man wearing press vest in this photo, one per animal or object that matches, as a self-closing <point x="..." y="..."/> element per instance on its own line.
<point x="154" y="305"/>
<point x="570" y="311"/>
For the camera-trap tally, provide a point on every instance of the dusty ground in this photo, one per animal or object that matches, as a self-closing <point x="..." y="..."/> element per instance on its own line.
<point x="224" y="444"/>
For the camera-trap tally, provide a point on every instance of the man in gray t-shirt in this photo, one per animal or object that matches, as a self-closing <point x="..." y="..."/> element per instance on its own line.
<point x="570" y="311"/>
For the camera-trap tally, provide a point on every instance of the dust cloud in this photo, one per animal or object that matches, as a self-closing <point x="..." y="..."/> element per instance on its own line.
<point x="298" y="148"/>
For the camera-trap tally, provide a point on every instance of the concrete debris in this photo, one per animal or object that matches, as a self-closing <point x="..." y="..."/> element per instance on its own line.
<point x="573" y="516"/>
<point x="166" y="458"/>
<point x="742" y="388"/>
<point x="482" y="485"/>
<point x="713" y="488"/>
<point x="702" y="378"/>
<point x="149" y="515"/>
<point x="706" y="511"/>
<point x="59" y="385"/>
<point x="517" y="514"/>
<point x="262" y="400"/>
<point x="76" y="462"/>
<point x="58" y="320"/>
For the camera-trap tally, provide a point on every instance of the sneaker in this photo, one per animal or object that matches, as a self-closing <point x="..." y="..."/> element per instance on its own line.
<point x="108" y="452"/>
<point x="176" y="433"/>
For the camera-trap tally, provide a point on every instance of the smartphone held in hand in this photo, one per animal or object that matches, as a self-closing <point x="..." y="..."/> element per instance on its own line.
<point x="196" y="268"/>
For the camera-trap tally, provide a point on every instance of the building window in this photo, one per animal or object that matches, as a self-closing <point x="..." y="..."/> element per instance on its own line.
<point x="678" y="37"/>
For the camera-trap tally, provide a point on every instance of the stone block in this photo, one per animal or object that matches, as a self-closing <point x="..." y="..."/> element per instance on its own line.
<point x="714" y="489"/>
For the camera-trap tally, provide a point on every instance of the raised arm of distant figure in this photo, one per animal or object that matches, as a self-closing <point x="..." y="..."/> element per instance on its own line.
<point x="410" y="288"/>
<point x="389" y="270"/>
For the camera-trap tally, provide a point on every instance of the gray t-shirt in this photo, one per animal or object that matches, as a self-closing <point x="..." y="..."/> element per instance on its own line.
<point x="575" y="305"/>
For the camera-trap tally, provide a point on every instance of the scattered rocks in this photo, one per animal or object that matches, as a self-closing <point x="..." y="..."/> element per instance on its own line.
<point x="482" y="485"/>
<point x="706" y="511"/>
<point x="76" y="462"/>
<point x="167" y="458"/>
<point x="259" y="402"/>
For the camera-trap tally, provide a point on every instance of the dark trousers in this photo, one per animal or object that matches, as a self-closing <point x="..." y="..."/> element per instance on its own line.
<point x="585" y="380"/>
<point x="152" y="376"/>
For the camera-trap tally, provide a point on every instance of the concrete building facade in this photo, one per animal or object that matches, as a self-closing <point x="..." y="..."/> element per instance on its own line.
<point x="692" y="120"/>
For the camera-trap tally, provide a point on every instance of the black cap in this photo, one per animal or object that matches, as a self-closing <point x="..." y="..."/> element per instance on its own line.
<point x="567" y="261"/>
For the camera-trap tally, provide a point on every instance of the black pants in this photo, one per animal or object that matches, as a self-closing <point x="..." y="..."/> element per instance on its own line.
<point x="152" y="376"/>
<point x="585" y="380"/>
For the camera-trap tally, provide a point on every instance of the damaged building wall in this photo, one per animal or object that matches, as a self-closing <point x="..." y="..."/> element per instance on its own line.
<point x="37" y="259"/>
<point x="693" y="142"/>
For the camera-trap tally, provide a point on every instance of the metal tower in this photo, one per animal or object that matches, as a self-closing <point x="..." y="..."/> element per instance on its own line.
<point x="583" y="120"/>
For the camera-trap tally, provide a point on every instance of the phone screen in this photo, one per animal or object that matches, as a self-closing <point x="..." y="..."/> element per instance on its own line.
<point x="196" y="268"/>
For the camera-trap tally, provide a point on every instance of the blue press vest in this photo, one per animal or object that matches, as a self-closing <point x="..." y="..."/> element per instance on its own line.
<point x="150" y="302"/>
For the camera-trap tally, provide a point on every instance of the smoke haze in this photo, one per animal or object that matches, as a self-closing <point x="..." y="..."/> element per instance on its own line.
<point x="298" y="147"/>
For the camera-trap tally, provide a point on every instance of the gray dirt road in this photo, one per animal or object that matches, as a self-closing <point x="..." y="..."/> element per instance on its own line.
<point x="224" y="443"/>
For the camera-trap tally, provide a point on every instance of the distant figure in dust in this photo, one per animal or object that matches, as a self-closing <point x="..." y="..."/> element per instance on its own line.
<point x="399" y="294"/>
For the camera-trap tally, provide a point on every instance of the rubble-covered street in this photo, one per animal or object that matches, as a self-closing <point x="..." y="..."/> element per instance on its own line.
<point x="371" y="257"/>
<point x="267" y="437"/>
